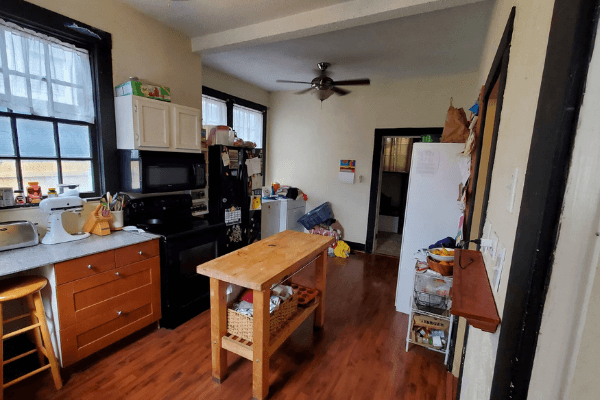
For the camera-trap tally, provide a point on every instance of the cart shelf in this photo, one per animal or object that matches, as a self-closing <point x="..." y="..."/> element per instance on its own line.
<point x="244" y="348"/>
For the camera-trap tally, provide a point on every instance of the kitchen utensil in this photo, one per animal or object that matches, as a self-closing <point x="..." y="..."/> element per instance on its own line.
<point x="17" y="234"/>
<point x="54" y="207"/>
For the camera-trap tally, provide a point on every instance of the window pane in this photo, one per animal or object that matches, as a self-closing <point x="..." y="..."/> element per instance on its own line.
<point x="248" y="124"/>
<point x="8" y="174"/>
<point x="74" y="141"/>
<point x="45" y="173"/>
<point x="214" y="111"/>
<point x="7" y="147"/>
<point x="79" y="172"/>
<point x="36" y="138"/>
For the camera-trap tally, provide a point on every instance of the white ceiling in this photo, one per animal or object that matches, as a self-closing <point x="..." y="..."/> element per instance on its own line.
<point x="201" y="17"/>
<point x="442" y="42"/>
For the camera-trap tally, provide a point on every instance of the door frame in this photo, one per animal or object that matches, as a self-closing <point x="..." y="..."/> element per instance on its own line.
<point x="570" y="44"/>
<point x="376" y="169"/>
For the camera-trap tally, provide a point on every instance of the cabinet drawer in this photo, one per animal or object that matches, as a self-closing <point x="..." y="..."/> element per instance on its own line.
<point x="83" y="267"/>
<point x="137" y="252"/>
<point x="75" y="296"/>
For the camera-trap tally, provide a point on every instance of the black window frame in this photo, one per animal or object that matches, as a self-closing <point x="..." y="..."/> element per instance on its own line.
<point x="99" y="46"/>
<point x="230" y="101"/>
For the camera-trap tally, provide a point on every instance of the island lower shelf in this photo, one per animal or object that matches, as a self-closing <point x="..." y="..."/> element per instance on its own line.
<point x="245" y="348"/>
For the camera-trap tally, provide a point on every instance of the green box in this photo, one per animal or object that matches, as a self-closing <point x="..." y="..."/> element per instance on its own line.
<point x="137" y="88"/>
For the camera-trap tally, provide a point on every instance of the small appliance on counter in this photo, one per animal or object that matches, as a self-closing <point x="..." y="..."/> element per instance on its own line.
<point x="54" y="207"/>
<point x="17" y="234"/>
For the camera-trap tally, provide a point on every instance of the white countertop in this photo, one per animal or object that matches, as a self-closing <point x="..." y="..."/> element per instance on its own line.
<point x="27" y="258"/>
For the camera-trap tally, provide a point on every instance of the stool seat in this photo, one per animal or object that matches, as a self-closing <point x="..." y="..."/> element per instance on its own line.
<point x="15" y="288"/>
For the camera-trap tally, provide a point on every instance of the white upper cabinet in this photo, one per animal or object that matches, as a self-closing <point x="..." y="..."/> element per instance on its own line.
<point x="147" y="124"/>
<point x="186" y="128"/>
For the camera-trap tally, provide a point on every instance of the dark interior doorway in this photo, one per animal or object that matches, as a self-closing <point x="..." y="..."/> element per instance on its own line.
<point x="389" y="188"/>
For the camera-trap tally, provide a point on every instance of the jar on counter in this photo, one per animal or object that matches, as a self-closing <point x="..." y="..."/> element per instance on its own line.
<point x="34" y="193"/>
<point x="19" y="197"/>
<point x="52" y="192"/>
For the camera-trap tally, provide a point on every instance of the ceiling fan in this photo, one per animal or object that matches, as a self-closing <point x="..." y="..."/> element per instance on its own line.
<point x="325" y="87"/>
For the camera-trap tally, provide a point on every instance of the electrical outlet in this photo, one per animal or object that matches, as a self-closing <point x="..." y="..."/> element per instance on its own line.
<point x="498" y="266"/>
<point x="494" y="239"/>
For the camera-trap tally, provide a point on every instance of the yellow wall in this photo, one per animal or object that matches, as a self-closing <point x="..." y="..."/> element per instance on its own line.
<point x="307" y="138"/>
<point x="228" y="84"/>
<point x="142" y="46"/>
<point x="527" y="56"/>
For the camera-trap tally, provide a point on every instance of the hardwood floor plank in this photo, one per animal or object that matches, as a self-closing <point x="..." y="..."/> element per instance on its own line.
<point x="359" y="355"/>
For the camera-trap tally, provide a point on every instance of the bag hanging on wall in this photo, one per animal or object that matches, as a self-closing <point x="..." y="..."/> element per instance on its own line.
<point x="456" y="128"/>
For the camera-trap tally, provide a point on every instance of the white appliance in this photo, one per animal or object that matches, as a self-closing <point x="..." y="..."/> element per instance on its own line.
<point x="55" y="206"/>
<point x="432" y="208"/>
<point x="280" y="215"/>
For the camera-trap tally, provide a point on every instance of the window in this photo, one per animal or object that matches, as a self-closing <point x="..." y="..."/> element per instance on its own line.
<point x="248" y="124"/>
<point x="396" y="154"/>
<point x="245" y="117"/>
<point x="214" y="111"/>
<point x="47" y="113"/>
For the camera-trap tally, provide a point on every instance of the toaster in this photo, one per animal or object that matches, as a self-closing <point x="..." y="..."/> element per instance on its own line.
<point x="17" y="234"/>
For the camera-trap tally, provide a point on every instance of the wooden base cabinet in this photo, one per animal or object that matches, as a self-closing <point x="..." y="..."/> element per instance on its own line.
<point x="113" y="300"/>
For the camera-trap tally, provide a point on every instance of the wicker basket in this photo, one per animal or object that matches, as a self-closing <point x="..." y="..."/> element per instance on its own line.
<point x="243" y="326"/>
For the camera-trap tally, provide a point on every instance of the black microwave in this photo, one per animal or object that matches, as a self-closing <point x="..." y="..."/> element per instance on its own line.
<point x="145" y="171"/>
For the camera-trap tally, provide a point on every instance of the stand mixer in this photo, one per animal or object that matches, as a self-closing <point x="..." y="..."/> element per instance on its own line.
<point x="55" y="206"/>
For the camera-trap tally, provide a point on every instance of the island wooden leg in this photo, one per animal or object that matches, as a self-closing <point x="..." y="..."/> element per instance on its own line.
<point x="262" y="336"/>
<point x="320" y="284"/>
<point x="218" y="328"/>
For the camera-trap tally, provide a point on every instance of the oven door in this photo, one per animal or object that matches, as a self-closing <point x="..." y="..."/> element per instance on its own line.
<point x="168" y="172"/>
<point x="184" y="292"/>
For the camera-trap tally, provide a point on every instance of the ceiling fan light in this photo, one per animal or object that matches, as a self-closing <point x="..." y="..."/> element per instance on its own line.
<point x="323" y="94"/>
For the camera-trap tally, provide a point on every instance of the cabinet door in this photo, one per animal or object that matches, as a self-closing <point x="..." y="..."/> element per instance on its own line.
<point x="187" y="132"/>
<point x="152" y="123"/>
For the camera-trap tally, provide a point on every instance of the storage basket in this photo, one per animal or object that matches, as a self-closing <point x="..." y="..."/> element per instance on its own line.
<point x="243" y="326"/>
<point x="316" y="216"/>
<point x="437" y="266"/>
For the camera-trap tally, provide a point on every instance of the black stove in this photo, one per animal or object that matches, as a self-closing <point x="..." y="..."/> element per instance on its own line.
<point x="185" y="243"/>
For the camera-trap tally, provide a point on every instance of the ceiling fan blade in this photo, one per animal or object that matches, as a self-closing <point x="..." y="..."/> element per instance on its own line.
<point x="304" y="91"/>
<point x="353" y="82"/>
<point x="283" y="81"/>
<point x="340" y="91"/>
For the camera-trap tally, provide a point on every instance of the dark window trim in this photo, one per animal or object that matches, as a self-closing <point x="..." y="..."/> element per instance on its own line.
<point x="377" y="147"/>
<point x="569" y="50"/>
<point x="104" y="139"/>
<point x="230" y="100"/>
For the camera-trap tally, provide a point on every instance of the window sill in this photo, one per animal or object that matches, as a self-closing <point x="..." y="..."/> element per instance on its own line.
<point x="29" y="205"/>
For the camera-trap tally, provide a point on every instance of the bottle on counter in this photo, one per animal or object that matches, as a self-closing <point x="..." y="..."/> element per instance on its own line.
<point x="19" y="197"/>
<point x="34" y="193"/>
<point x="52" y="192"/>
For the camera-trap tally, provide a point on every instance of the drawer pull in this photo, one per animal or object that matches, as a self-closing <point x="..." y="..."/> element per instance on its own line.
<point x="119" y="312"/>
<point x="117" y="274"/>
<point x="140" y="253"/>
<point x="90" y="266"/>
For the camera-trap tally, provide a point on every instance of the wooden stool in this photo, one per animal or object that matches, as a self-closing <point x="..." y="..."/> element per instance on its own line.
<point x="16" y="288"/>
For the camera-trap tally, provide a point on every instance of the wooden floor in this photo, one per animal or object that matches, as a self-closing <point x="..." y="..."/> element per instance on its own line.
<point x="359" y="354"/>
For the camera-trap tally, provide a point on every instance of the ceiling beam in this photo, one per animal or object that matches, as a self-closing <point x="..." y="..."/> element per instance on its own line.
<point x="327" y="19"/>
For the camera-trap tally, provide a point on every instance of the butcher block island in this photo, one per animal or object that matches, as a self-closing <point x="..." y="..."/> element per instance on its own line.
<point x="259" y="267"/>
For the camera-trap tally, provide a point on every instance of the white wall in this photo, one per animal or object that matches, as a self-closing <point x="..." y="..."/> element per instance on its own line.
<point x="527" y="56"/>
<point x="231" y="85"/>
<point x="307" y="138"/>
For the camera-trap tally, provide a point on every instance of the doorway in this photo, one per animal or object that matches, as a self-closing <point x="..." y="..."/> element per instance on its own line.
<point x="389" y="185"/>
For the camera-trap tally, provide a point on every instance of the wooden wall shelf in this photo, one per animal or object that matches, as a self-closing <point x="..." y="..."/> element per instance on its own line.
<point x="472" y="296"/>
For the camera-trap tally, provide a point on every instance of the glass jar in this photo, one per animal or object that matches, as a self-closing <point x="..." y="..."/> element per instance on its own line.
<point x="52" y="192"/>
<point x="19" y="197"/>
<point x="34" y="193"/>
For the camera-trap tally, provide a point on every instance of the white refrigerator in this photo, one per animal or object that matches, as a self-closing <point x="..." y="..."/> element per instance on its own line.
<point x="432" y="208"/>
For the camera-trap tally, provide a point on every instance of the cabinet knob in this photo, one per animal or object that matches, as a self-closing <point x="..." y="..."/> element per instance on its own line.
<point x="140" y="253"/>
<point x="90" y="266"/>
<point x="119" y="312"/>
<point x="117" y="274"/>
